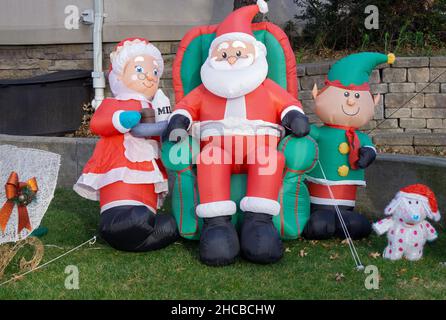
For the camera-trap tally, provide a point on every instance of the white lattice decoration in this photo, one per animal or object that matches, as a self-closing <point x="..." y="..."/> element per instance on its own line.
<point x="28" y="163"/>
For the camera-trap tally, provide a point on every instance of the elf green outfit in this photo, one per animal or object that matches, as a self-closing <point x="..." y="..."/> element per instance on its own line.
<point x="344" y="152"/>
<point x="336" y="171"/>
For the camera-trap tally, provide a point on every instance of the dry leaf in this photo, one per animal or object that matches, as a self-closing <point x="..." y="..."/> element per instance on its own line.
<point x="314" y="242"/>
<point x="334" y="256"/>
<point x="345" y="241"/>
<point x="415" y="279"/>
<point x="339" y="277"/>
<point x="287" y="249"/>
<point x="401" y="271"/>
<point x="303" y="253"/>
<point x="375" y="255"/>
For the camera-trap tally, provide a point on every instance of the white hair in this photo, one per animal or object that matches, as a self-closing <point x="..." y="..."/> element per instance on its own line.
<point x="120" y="58"/>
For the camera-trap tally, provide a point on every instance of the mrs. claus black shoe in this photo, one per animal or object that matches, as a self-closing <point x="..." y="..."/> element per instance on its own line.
<point x="137" y="229"/>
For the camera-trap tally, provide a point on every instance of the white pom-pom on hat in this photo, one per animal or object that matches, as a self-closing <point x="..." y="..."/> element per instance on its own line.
<point x="263" y="6"/>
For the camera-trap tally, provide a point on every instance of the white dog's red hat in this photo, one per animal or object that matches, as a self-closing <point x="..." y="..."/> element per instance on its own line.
<point x="131" y="48"/>
<point x="419" y="192"/>
<point x="237" y="25"/>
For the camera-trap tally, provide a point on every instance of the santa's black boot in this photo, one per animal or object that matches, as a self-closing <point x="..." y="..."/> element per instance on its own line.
<point x="357" y="225"/>
<point x="137" y="229"/>
<point x="259" y="240"/>
<point x="219" y="244"/>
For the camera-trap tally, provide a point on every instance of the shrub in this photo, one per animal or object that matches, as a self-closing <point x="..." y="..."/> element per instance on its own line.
<point x="339" y="24"/>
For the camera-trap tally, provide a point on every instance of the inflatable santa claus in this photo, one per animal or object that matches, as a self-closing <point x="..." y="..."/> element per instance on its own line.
<point x="125" y="173"/>
<point x="240" y="116"/>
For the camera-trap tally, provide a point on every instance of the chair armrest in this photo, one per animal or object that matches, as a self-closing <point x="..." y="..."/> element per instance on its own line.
<point x="180" y="156"/>
<point x="301" y="154"/>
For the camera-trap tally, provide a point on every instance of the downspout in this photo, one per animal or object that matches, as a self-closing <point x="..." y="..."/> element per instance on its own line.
<point x="98" y="74"/>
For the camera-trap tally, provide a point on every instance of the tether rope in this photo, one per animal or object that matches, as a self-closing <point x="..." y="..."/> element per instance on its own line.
<point x="354" y="252"/>
<point x="90" y="242"/>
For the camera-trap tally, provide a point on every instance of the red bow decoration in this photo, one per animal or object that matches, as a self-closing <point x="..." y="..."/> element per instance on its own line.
<point x="20" y="193"/>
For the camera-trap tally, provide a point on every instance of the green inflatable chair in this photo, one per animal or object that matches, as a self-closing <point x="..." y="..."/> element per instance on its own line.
<point x="301" y="154"/>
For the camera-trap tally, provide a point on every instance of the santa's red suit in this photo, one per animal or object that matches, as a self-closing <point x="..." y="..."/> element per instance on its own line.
<point x="245" y="130"/>
<point x="124" y="170"/>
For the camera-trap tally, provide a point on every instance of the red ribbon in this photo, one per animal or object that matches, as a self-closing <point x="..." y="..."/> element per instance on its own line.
<point x="15" y="194"/>
<point x="353" y="142"/>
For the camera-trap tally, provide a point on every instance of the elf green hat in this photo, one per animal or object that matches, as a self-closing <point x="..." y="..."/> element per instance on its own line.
<point x="353" y="72"/>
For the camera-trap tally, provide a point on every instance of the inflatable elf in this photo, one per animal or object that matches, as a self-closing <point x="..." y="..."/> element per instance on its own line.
<point x="125" y="173"/>
<point x="344" y="105"/>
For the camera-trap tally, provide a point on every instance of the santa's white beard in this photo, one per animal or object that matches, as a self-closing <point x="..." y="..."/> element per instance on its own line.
<point x="234" y="82"/>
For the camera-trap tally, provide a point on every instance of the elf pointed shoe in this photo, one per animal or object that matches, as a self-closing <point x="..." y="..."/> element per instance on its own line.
<point x="136" y="229"/>
<point x="259" y="240"/>
<point x="320" y="226"/>
<point x="219" y="243"/>
<point x="358" y="226"/>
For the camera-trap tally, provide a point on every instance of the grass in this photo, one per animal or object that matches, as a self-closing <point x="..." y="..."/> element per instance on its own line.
<point x="305" y="272"/>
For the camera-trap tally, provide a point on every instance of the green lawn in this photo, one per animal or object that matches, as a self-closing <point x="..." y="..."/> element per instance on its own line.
<point x="176" y="273"/>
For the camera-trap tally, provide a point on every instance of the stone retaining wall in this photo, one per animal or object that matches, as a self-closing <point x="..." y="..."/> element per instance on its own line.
<point x="408" y="129"/>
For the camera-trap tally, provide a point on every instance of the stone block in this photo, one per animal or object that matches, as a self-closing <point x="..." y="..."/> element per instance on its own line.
<point x="431" y="87"/>
<point x="411" y="62"/>
<point x="19" y="64"/>
<point x="430" y="140"/>
<point x="435" y="123"/>
<point x="402" y="87"/>
<point x="391" y="75"/>
<point x="410" y="123"/>
<point x="439" y="61"/>
<point x="417" y="131"/>
<point x="305" y="95"/>
<point x="379" y="88"/>
<point x="429" y="113"/>
<point x="300" y="70"/>
<point x="387" y="124"/>
<point x="379" y="111"/>
<point x="437" y="75"/>
<point x="435" y="100"/>
<point x="394" y="113"/>
<point x="308" y="106"/>
<point x="369" y="126"/>
<point x="418" y="74"/>
<point x="375" y="77"/>
<point x="404" y="100"/>
<point x="317" y="68"/>
<point x="393" y="139"/>
<point x="307" y="82"/>
<point x="71" y="65"/>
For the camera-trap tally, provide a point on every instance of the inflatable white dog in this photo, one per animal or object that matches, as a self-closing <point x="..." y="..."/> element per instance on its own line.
<point x="407" y="230"/>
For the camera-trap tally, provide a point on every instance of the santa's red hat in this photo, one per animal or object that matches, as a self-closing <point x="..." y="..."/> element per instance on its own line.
<point x="131" y="48"/>
<point x="237" y="25"/>
<point x="422" y="193"/>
